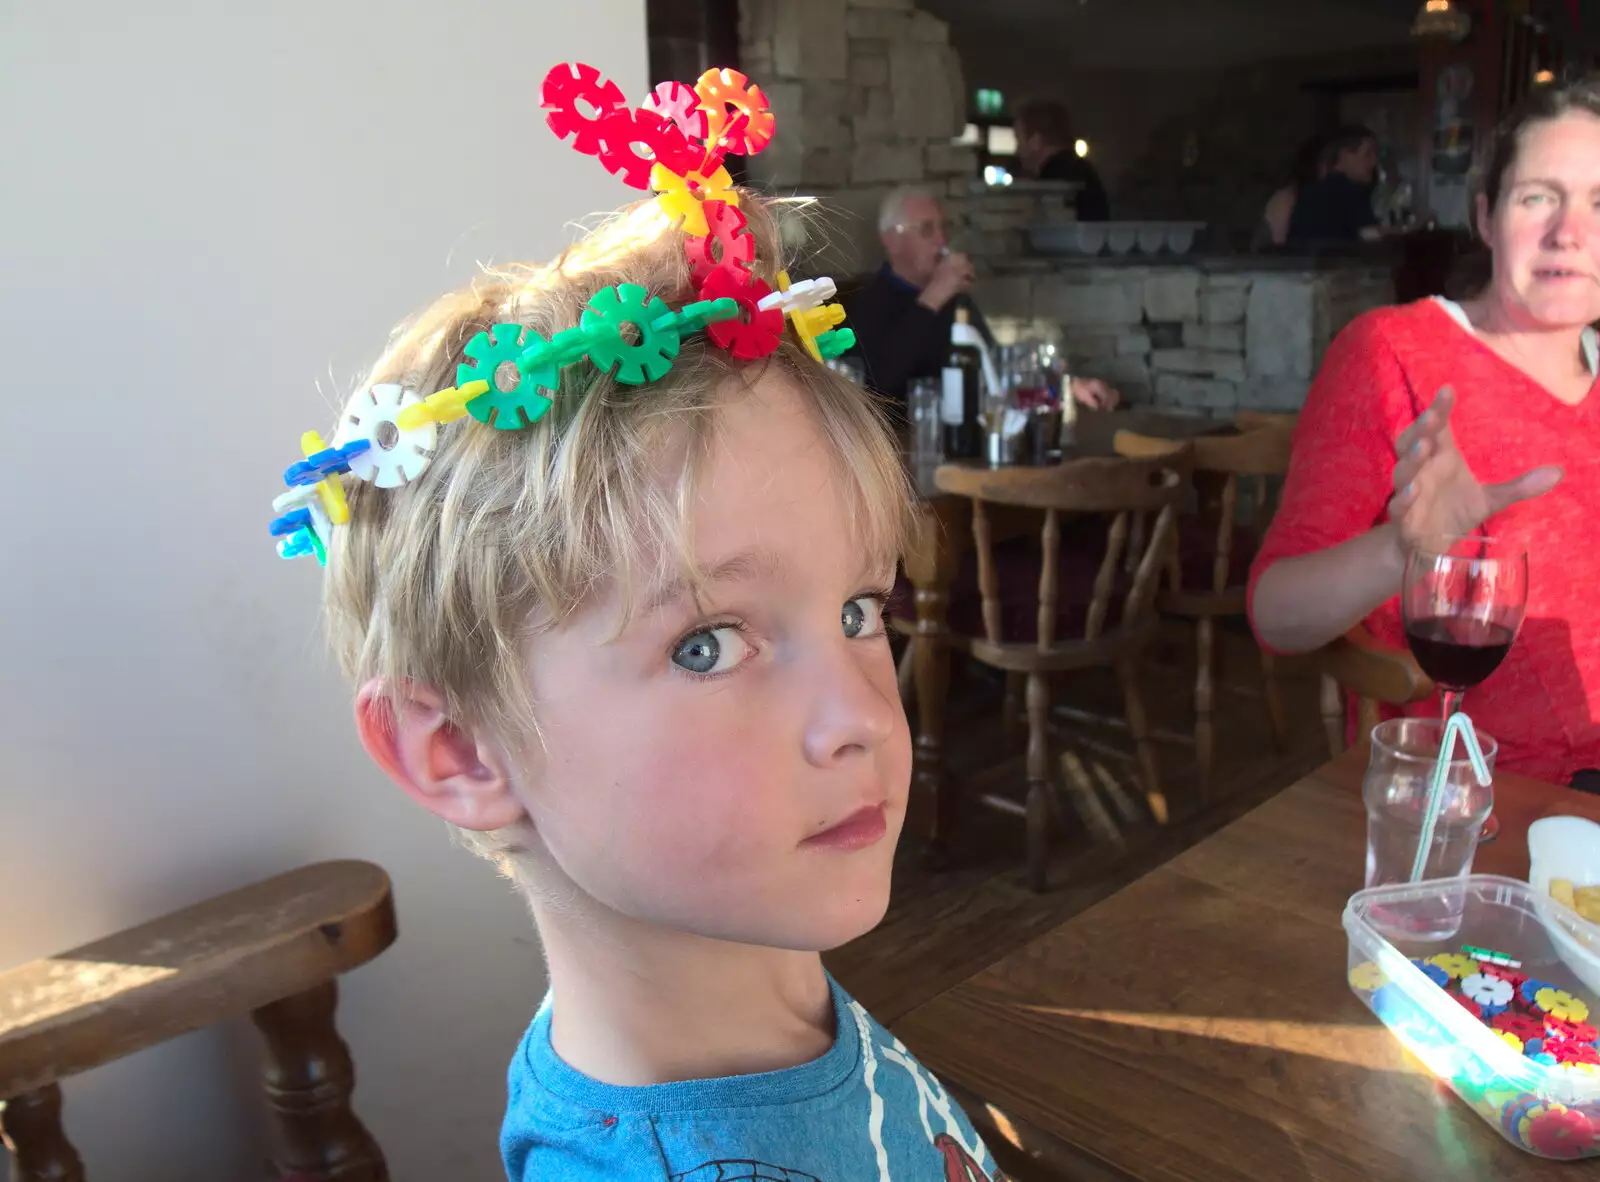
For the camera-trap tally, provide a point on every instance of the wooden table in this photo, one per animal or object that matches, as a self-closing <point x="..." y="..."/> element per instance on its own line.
<point x="942" y="535"/>
<point x="1197" y="1026"/>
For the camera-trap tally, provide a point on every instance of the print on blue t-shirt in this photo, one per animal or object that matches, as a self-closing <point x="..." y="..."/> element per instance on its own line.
<point x="866" y="1111"/>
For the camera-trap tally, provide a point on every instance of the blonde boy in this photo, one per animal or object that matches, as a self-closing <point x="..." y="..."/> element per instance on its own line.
<point x="635" y="655"/>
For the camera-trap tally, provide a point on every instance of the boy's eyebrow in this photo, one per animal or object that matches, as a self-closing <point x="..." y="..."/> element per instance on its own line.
<point x="743" y="566"/>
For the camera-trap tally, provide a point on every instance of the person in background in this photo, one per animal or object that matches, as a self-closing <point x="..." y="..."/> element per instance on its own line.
<point x="902" y="314"/>
<point x="1310" y="166"/>
<point x="1046" y="149"/>
<point x="1454" y="418"/>
<point x="1338" y="207"/>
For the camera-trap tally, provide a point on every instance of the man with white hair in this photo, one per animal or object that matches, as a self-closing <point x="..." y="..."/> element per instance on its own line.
<point x="902" y="315"/>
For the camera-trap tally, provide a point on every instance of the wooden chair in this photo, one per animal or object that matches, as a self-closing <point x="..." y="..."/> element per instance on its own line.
<point x="1114" y="488"/>
<point x="1253" y="420"/>
<point x="1229" y="461"/>
<point x="1358" y="666"/>
<point x="273" y="950"/>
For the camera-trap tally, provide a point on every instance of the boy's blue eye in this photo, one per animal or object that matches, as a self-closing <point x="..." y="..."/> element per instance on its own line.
<point x="863" y="616"/>
<point x="713" y="650"/>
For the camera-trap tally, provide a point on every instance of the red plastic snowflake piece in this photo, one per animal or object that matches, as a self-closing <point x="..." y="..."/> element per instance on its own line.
<point x="1576" y="1031"/>
<point x="1567" y="1051"/>
<point x="1505" y="974"/>
<point x="663" y="143"/>
<point x="1561" y="1133"/>
<point x="566" y="86"/>
<point x="727" y="244"/>
<point x="1520" y="1025"/>
<point x="726" y="94"/>
<point x="1467" y="1004"/>
<point x="679" y="102"/>
<point x="753" y="333"/>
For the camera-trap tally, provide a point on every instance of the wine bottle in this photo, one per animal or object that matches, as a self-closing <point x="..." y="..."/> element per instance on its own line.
<point x="962" y="385"/>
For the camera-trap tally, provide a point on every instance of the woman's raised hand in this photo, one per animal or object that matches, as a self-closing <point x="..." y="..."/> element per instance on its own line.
<point x="1435" y="491"/>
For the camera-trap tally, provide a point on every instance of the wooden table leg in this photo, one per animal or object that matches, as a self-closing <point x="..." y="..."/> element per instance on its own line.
<point x="942" y="531"/>
<point x="932" y="672"/>
<point x="308" y="1078"/>
<point x="30" y="1127"/>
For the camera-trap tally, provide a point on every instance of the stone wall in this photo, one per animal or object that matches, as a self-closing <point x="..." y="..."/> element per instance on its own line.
<point x="868" y="95"/>
<point x="1184" y="336"/>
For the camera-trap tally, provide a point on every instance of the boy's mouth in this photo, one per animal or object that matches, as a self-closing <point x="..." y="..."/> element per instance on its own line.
<point x="862" y="828"/>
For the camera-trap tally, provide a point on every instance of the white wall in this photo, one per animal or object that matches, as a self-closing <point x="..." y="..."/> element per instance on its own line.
<point x="207" y="210"/>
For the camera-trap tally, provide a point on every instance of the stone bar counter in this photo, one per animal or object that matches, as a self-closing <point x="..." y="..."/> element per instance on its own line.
<point x="1192" y="332"/>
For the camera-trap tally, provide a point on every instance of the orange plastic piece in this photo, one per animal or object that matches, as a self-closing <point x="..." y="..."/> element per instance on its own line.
<point x="727" y="94"/>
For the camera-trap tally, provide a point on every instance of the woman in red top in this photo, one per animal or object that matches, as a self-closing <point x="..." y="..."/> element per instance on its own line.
<point x="1439" y="417"/>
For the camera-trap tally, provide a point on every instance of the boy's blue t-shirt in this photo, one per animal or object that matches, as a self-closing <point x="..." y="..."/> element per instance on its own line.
<point x="864" y="1112"/>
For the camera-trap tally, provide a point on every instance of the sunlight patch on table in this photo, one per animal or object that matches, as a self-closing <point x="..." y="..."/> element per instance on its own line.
<point x="1339" y="1042"/>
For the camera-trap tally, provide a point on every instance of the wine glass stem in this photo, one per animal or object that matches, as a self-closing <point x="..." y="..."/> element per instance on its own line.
<point x="1452" y="702"/>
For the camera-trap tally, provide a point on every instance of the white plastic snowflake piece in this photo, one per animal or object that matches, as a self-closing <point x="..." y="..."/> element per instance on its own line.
<point x="1486" y="990"/>
<point x="800" y="297"/>
<point x="299" y="496"/>
<point x="397" y="455"/>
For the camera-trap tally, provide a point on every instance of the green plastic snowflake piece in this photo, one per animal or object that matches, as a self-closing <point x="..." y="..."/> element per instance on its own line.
<point x="834" y="342"/>
<point x="521" y="406"/>
<point x="610" y="311"/>
<point x="694" y="317"/>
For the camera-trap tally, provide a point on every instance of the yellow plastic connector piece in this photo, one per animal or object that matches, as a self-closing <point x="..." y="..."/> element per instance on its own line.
<point x="446" y="406"/>
<point x="330" y="491"/>
<point x="813" y="322"/>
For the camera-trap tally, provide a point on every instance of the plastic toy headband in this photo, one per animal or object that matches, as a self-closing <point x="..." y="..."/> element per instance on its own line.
<point x="674" y="143"/>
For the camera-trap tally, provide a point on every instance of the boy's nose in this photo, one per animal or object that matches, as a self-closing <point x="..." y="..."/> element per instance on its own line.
<point x="851" y="714"/>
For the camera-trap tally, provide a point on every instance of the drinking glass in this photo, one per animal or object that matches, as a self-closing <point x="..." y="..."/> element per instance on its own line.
<point x="924" y="398"/>
<point x="1399" y="770"/>
<point x="1462" y="600"/>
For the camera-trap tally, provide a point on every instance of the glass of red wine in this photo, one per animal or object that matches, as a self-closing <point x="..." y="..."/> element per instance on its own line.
<point x="1462" y="601"/>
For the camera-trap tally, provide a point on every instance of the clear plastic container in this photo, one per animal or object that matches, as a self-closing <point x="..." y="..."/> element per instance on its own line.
<point x="1521" y="1098"/>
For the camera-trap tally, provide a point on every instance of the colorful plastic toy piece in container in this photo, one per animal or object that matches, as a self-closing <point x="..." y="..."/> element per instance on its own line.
<point x="684" y="196"/>
<point x="1454" y="964"/>
<point x="1558" y="1003"/>
<point x="1509" y="1069"/>
<point x="1491" y="956"/>
<point x="726" y="94"/>
<point x="680" y="102"/>
<point x="1367" y="976"/>
<point x="522" y="405"/>
<point x="1487" y="991"/>
<point x="753" y="333"/>
<point x="1529" y="990"/>
<point x="1433" y="972"/>
<point x="610" y="310"/>
<point x="726" y="244"/>
<point x="397" y="455"/>
<point x="565" y="88"/>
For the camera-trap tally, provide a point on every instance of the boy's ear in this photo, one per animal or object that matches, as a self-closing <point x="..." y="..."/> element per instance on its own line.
<point x="455" y="774"/>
